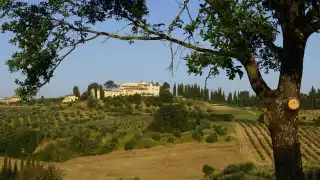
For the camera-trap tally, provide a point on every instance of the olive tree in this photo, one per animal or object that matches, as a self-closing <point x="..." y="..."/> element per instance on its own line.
<point x="238" y="31"/>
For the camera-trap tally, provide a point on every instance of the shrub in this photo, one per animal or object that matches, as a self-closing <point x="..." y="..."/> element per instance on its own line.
<point x="137" y="136"/>
<point x="92" y="102"/>
<point x="261" y="118"/>
<point x="199" y="129"/>
<point x="196" y="136"/>
<point x="26" y="139"/>
<point x="129" y="145"/>
<point x="166" y="96"/>
<point x="244" y="167"/>
<point x="221" y="130"/>
<point x="207" y="125"/>
<point x="170" y="140"/>
<point x="156" y="136"/>
<point x="228" y="138"/>
<point x="212" y="138"/>
<point x="207" y="170"/>
<point x="147" y="143"/>
<point x="107" y="148"/>
<point x="177" y="133"/>
<point x="120" y="134"/>
<point x="89" y="145"/>
<point x="171" y="117"/>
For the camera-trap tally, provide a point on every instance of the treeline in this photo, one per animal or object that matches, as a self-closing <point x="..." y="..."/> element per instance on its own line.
<point x="310" y="100"/>
<point x="237" y="98"/>
<point x="28" y="170"/>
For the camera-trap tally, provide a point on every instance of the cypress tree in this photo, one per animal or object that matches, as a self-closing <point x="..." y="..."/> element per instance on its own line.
<point x="33" y="163"/>
<point x="101" y="91"/>
<point x="199" y="92"/>
<point x="15" y="168"/>
<point x="21" y="165"/>
<point x="5" y="164"/>
<point x="229" y="99"/>
<point x="182" y="90"/>
<point x="9" y="170"/>
<point x="28" y="163"/>
<point x="186" y="92"/>
<point x="96" y="92"/>
<point x="202" y="94"/>
<point x="174" y="90"/>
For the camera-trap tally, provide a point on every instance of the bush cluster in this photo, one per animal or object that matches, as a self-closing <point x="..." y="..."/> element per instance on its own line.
<point x="171" y="117"/>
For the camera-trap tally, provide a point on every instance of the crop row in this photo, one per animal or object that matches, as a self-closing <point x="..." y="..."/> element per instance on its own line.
<point x="267" y="139"/>
<point x="305" y="153"/>
<point x="255" y="146"/>
<point x="260" y="141"/>
<point x="311" y="148"/>
<point x="259" y="137"/>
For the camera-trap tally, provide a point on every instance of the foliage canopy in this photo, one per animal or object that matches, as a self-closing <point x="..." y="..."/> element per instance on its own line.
<point x="245" y="31"/>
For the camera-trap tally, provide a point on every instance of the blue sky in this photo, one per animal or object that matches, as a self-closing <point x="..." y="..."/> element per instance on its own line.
<point x="143" y="60"/>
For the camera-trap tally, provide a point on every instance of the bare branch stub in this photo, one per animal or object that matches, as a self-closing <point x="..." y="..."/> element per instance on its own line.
<point x="171" y="27"/>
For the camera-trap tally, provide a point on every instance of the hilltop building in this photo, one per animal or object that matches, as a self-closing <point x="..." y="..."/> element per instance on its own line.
<point x="12" y="99"/>
<point x="69" y="98"/>
<point x="127" y="89"/>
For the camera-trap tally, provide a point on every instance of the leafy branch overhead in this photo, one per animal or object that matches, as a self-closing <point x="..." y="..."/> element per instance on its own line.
<point x="47" y="32"/>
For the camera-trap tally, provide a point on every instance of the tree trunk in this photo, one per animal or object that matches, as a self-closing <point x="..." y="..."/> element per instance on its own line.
<point x="283" y="125"/>
<point x="286" y="146"/>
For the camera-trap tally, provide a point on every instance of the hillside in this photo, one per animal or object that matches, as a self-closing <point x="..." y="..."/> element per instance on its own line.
<point x="103" y="137"/>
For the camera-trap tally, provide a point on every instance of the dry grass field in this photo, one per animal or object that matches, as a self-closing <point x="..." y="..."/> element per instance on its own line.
<point x="184" y="161"/>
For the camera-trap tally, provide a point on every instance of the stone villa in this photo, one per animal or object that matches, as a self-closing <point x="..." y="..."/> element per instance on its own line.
<point x="69" y="98"/>
<point x="127" y="89"/>
<point x="12" y="99"/>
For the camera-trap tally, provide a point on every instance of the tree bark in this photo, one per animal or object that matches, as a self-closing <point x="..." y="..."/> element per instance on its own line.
<point x="283" y="125"/>
<point x="283" y="128"/>
<point x="283" y="122"/>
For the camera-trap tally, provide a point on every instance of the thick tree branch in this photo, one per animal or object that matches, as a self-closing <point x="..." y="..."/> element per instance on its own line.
<point x="158" y="36"/>
<point x="252" y="69"/>
<point x="258" y="85"/>
<point x="312" y="28"/>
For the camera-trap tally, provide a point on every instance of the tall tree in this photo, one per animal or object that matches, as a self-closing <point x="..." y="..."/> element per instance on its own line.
<point x="243" y="31"/>
<point x="229" y="99"/>
<point x="174" y="90"/>
<point x="165" y="86"/>
<point x="93" y="86"/>
<point x="76" y="91"/>
<point x="101" y="91"/>
<point x="110" y="85"/>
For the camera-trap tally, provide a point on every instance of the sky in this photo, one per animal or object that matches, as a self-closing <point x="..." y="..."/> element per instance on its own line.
<point x="116" y="60"/>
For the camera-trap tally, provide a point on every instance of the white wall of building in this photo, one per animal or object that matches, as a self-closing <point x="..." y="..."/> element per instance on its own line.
<point x="127" y="89"/>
